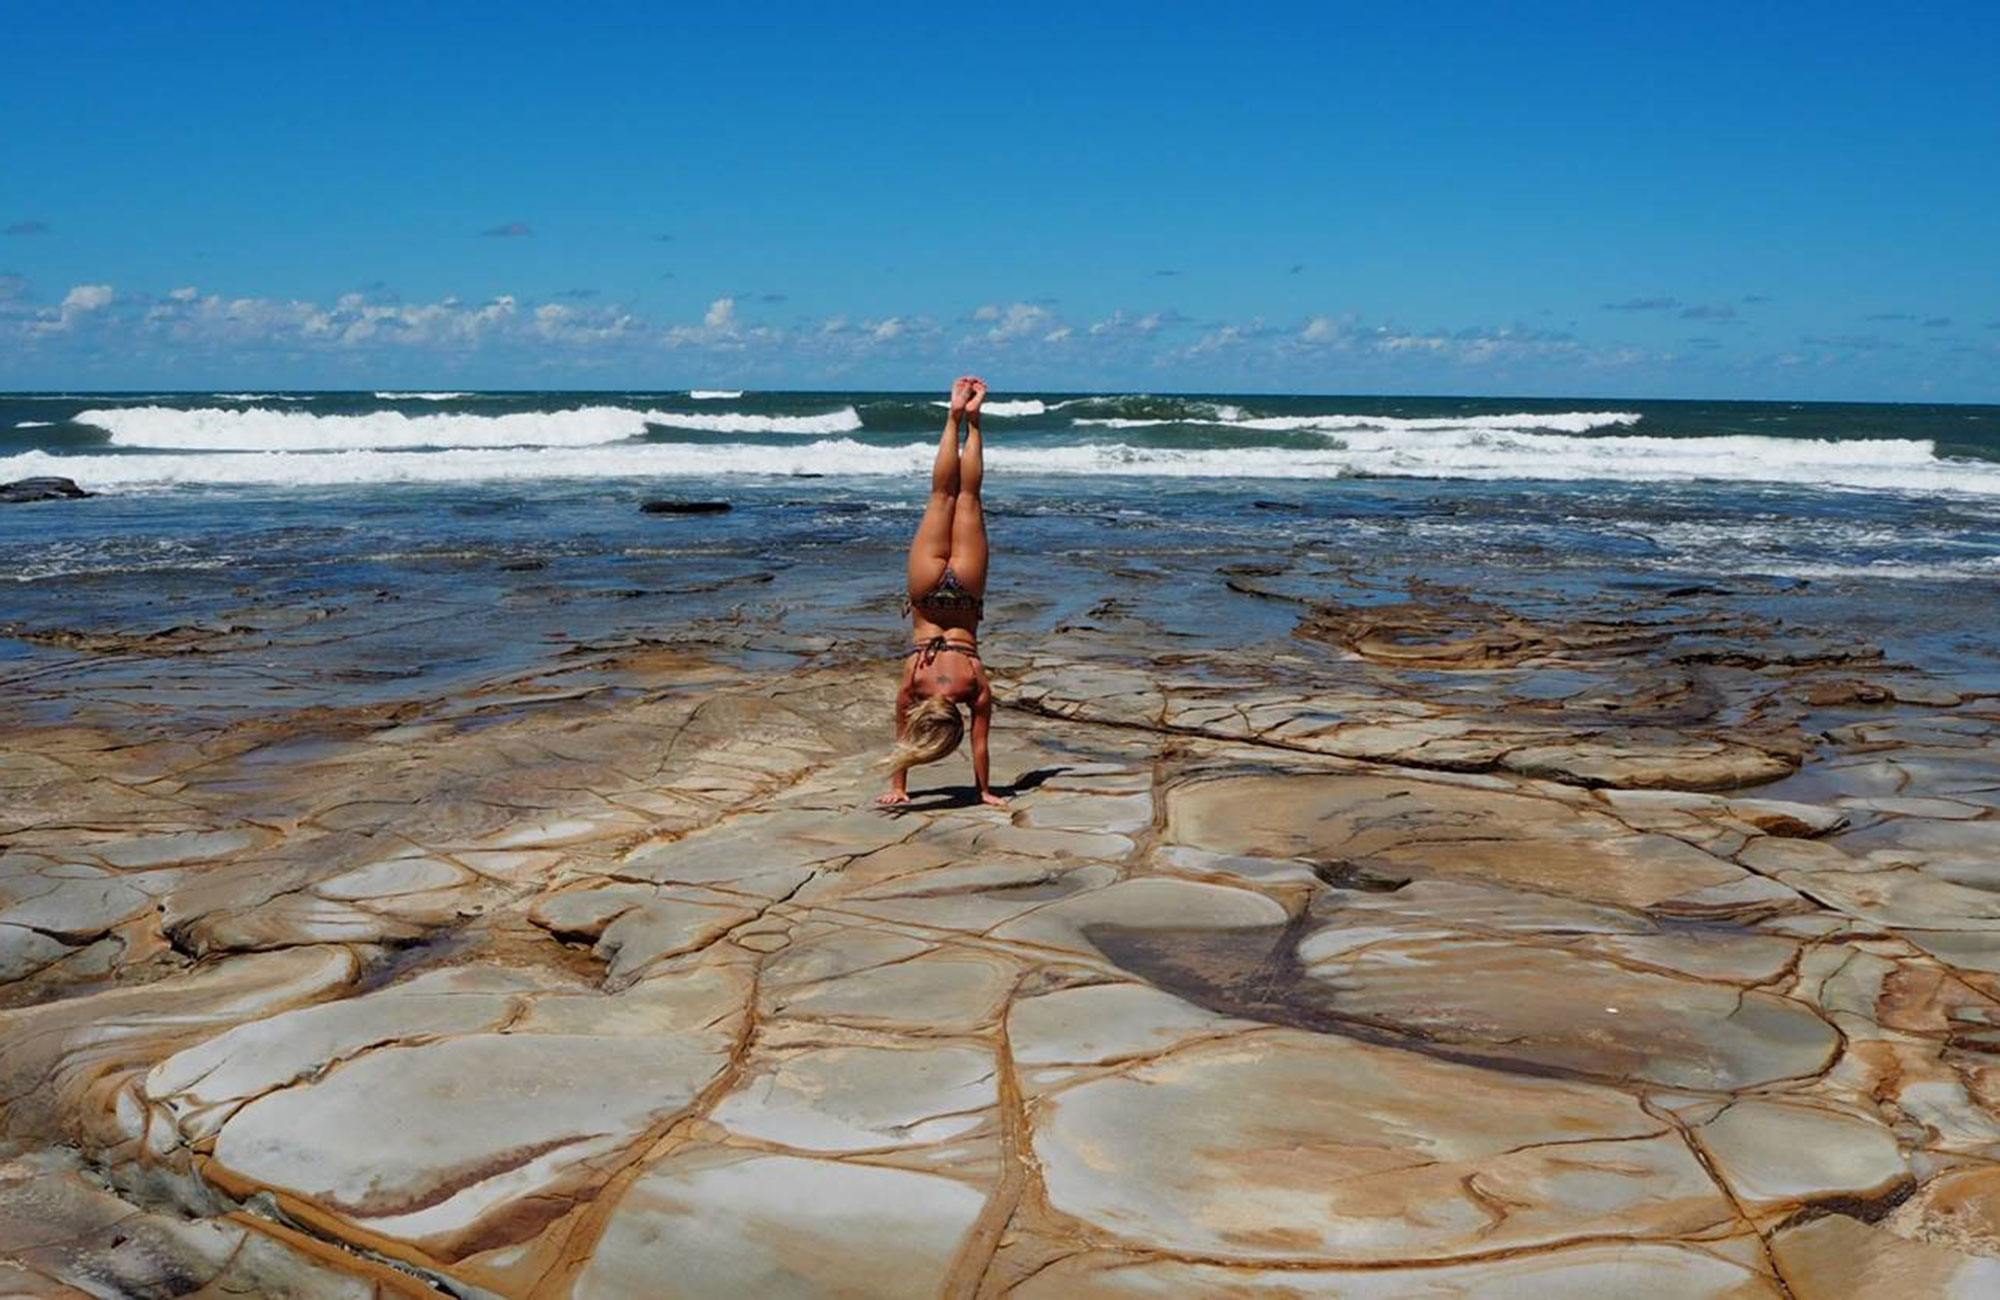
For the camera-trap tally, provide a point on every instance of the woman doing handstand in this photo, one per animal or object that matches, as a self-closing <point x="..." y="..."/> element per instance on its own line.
<point x="947" y="579"/>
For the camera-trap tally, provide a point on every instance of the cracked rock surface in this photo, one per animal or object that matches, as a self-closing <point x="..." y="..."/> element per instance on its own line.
<point x="1441" y="950"/>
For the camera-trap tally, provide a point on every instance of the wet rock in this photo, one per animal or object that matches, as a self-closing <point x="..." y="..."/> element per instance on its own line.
<point x="47" y="488"/>
<point x="1552" y="1009"/>
<point x="679" y="507"/>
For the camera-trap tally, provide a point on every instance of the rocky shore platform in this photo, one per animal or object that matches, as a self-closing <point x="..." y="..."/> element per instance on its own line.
<point x="1618" y="944"/>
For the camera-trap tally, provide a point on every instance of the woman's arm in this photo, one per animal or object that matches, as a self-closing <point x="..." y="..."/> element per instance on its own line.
<point x="906" y="695"/>
<point x="982" y="724"/>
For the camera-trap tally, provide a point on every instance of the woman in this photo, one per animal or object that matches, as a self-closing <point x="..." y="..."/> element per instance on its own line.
<point x="947" y="576"/>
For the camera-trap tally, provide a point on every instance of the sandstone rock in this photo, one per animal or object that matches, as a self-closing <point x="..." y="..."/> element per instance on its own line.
<point x="839" y="1099"/>
<point x="1207" y="1151"/>
<point x="1558" y="1010"/>
<point x="1774" y="1154"/>
<point x="728" y="1223"/>
<point x="943" y="994"/>
<point x="1428" y="829"/>
<point x="1840" y="1258"/>
<point x="1100" y="1023"/>
<point x="72" y="1239"/>
<point x="423" y="1142"/>
<point x="611" y="976"/>
<point x="1573" y="1273"/>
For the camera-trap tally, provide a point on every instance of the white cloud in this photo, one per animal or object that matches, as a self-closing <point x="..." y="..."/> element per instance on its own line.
<point x="88" y="297"/>
<point x="1029" y="341"/>
<point x="1119" y="323"/>
<point x="81" y="302"/>
<point x="1018" y="321"/>
<point x="1387" y="342"/>
<point x="719" y="327"/>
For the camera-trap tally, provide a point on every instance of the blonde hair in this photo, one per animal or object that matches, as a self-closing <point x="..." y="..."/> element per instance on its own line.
<point x="930" y="732"/>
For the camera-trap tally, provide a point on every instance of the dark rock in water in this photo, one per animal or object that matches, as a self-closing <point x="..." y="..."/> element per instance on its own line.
<point x="683" y="507"/>
<point x="42" y="489"/>
<point x="524" y="566"/>
<point x="1276" y="505"/>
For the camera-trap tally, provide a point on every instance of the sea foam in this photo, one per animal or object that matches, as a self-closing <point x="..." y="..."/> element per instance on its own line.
<point x="845" y="420"/>
<point x="171" y="429"/>
<point x="1025" y="406"/>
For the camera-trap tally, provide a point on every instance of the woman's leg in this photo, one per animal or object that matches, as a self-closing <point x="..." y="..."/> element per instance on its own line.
<point x="930" y="549"/>
<point x="968" y="521"/>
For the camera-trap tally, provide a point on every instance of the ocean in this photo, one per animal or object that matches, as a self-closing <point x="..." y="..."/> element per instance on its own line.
<point x="486" y="524"/>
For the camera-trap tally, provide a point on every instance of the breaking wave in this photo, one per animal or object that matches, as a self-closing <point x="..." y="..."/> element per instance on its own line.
<point x="1026" y="406"/>
<point x="715" y="394"/>
<point x="1454" y="453"/>
<point x="1233" y="417"/>
<point x="845" y="420"/>
<point x="165" y="428"/>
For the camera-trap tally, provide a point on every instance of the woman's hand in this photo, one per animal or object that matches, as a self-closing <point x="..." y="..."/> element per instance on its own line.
<point x="961" y="389"/>
<point x="893" y="797"/>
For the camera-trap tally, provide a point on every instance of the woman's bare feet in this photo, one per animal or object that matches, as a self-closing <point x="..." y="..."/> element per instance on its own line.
<point x="977" y="396"/>
<point x="961" y="390"/>
<point x="893" y="797"/>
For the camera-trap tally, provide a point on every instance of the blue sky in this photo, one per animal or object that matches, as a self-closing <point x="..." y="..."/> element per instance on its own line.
<point x="1701" y="200"/>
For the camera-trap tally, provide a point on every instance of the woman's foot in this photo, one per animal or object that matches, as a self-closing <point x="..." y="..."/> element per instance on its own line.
<point x="976" y="396"/>
<point x="961" y="390"/>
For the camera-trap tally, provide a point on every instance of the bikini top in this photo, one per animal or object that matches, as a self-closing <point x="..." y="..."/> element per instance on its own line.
<point x="936" y="646"/>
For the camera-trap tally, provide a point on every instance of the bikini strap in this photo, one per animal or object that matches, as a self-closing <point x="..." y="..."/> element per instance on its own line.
<point x="936" y="646"/>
